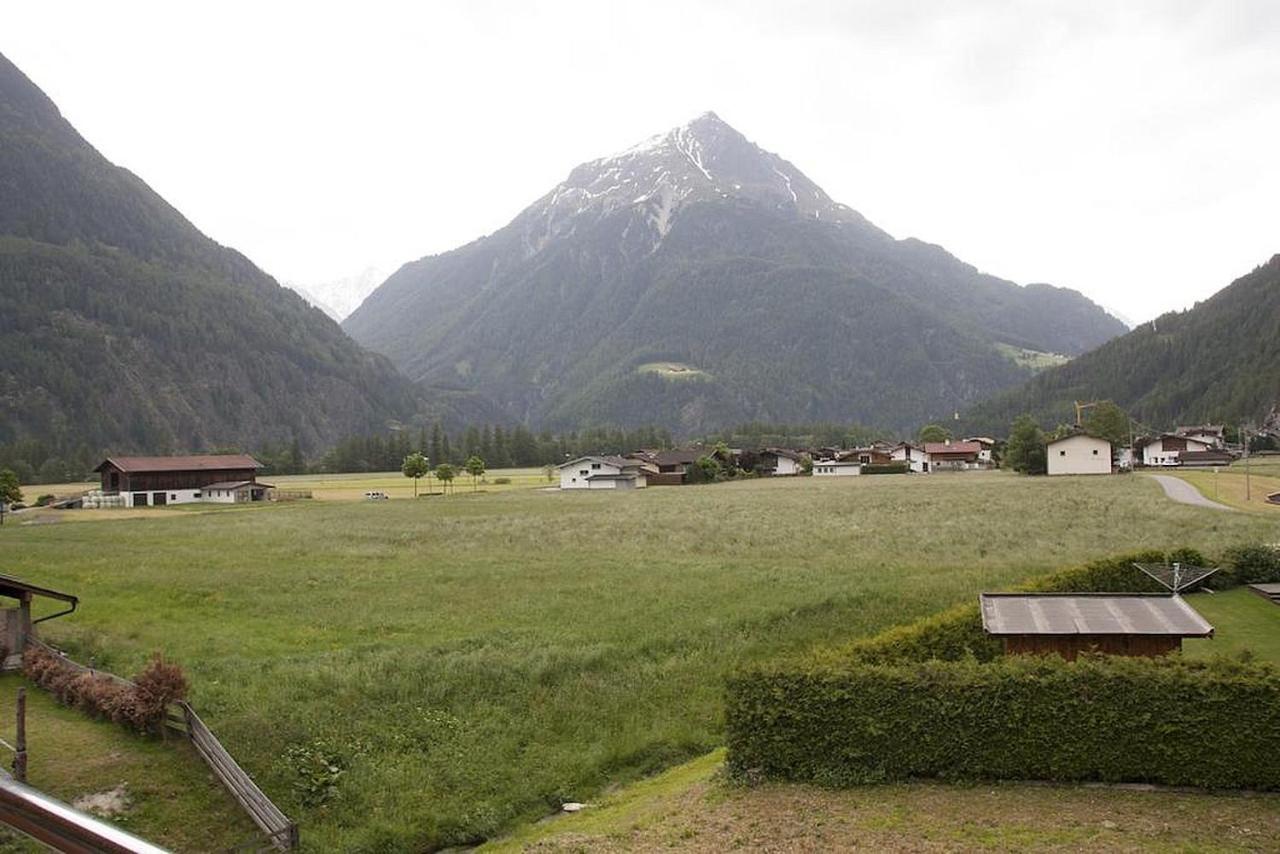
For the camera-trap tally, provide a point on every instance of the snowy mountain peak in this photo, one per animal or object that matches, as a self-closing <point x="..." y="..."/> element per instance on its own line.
<point x="704" y="160"/>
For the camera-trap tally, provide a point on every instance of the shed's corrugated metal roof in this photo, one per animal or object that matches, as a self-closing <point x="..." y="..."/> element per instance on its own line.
<point x="1090" y="614"/>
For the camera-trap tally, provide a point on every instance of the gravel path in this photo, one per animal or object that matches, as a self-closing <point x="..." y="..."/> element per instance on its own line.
<point x="1184" y="493"/>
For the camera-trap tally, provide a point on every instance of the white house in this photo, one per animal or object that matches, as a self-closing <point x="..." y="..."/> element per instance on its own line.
<point x="836" y="468"/>
<point x="1164" y="450"/>
<point x="603" y="473"/>
<point x="781" y="460"/>
<point x="1079" y="453"/>
<point x="912" y="455"/>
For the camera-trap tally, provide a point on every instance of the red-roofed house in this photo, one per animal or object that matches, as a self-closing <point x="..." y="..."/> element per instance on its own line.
<point x="953" y="456"/>
<point x="158" y="481"/>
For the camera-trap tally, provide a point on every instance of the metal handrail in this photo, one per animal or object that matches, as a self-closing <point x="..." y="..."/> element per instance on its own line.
<point x="62" y="827"/>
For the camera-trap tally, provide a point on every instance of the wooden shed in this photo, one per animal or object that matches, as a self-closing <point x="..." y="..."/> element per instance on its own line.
<point x="17" y="626"/>
<point x="1140" y="624"/>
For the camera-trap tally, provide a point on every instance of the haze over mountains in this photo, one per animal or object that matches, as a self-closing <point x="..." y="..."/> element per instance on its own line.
<point x="1218" y="361"/>
<point x="696" y="280"/>
<point x="122" y="326"/>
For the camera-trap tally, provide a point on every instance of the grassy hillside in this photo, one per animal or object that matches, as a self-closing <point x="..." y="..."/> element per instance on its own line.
<point x="122" y="326"/>
<point x="469" y="661"/>
<point x="1218" y="361"/>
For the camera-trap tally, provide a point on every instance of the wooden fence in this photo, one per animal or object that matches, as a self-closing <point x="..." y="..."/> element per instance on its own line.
<point x="280" y="831"/>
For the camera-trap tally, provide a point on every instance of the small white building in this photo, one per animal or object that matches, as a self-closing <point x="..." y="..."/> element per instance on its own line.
<point x="603" y="472"/>
<point x="234" y="492"/>
<point x="912" y="455"/>
<point x="1079" y="453"/>
<point x="836" y="468"/>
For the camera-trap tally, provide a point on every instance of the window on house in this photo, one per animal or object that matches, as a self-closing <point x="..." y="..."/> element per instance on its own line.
<point x="595" y="465"/>
<point x="584" y="472"/>
<point x="1062" y="453"/>
<point x="196" y="495"/>
<point x="1095" y="452"/>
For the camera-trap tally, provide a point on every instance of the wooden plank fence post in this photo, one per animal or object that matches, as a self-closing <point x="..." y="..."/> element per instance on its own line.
<point x="20" y="749"/>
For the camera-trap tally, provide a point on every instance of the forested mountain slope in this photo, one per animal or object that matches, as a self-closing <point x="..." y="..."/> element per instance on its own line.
<point x="696" y="280"/>
<point x="123" y="327"/>
<point x="1216" y="362"/>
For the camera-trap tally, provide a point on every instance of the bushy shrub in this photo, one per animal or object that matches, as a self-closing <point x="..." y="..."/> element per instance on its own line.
<point x="1164" y="720"/>
<point x="1252" y="564"/>
<point x="45" y="500"/>
<point x="139" y="705"/>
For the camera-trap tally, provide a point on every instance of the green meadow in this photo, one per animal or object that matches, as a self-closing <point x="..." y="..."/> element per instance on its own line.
<point x="408" y="674"/>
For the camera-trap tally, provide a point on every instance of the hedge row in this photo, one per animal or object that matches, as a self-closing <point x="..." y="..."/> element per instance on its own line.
<point x="1212" y="723"/>
<point x="139" y="705"/>
<point x="886" y="468"/>
<point x="937" y="698"/>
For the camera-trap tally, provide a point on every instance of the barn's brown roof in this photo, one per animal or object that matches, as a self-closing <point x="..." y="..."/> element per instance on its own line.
<point x="1091" y="614"/>
<point x="197" y="462"/>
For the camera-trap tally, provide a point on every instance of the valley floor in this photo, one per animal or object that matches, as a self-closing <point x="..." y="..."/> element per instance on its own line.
<point x="465" y="664"/>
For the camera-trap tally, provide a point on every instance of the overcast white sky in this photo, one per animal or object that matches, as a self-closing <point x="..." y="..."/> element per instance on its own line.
<point x="1130" y="150"/>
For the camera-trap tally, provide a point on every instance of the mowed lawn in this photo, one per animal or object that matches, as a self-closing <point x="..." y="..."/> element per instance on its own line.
<point x="1242" y="620"/>
<point x="1228" y="485"/>
<point x="693" y="808"/>
<point x="471" y="661"/>
<point x="163" y="790"/>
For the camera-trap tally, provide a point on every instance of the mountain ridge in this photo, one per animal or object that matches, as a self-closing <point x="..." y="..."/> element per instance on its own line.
<point x="703" y="200"/>
<point x="124" y="326"/>
<point x="1216" y="361"/>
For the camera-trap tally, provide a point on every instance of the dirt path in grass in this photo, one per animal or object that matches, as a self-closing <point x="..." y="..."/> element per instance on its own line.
<point x="1184" y="493"/>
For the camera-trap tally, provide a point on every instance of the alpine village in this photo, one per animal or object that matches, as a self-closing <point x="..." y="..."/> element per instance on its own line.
<point x="686" y="510"/>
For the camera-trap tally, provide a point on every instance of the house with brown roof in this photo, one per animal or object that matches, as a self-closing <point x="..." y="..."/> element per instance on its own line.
<point x="159" y="481"/>
<point x="953" y="456"/>
<point x="1168" y="449"/>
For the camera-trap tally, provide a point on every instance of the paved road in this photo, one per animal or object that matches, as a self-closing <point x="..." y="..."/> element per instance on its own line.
<point x="1184" y="493"/>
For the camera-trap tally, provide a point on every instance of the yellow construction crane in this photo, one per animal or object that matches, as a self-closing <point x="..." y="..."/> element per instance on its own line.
<point x="1081" y="407"/>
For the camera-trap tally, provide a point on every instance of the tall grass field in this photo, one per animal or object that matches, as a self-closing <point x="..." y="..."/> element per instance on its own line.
<point x="408" y="674"/>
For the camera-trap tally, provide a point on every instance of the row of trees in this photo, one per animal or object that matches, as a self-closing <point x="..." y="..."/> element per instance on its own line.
<point x="497" y="446"/>
<point x="417" y="465"/>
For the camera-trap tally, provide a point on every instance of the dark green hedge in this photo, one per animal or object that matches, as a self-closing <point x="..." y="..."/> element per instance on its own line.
<point x="936" y="698"/>
<point x="886" y="468"/>
<point x="1212" y="723"/>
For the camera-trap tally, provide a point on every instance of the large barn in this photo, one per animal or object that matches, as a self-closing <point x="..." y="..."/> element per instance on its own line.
<point x="158" y="481"/>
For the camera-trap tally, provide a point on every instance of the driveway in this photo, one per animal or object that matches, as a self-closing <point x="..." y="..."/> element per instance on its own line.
<point x="1184" y="493"/>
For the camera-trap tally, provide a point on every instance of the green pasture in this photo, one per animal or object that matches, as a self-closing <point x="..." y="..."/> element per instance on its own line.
<point x="406" y="674"/>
